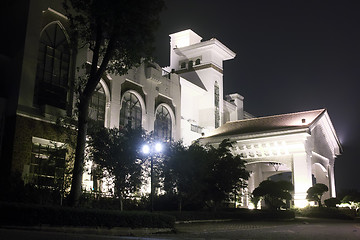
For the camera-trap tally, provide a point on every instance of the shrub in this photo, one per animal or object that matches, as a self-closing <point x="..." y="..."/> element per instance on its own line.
<point x="327" y="213"/>
<point x="331" y="202"/>
<point x="32" y="215"/>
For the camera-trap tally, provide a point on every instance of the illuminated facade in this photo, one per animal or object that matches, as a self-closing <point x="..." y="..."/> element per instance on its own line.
<point x="183" y="101"/>
<point x="303" y="143"/>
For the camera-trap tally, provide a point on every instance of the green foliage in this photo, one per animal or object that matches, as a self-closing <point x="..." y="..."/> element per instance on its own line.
<point x="117" y="153"/>
<point x="226" y="173"/>
<point x="32" y="215"/>
<point x="184" y="171"/>
<point x="233" y="213"/>
<point x="121" y="31"/>
<point x="331" y="202"/>
<point x="337" y="213"/>
<point x="201" y="175"/>
<point x="315" y="192"/>
<point x="275" y="194"/>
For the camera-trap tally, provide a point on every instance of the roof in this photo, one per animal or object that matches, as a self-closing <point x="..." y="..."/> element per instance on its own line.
<point x="288" y="121"/>
<point x="193" y="77"/>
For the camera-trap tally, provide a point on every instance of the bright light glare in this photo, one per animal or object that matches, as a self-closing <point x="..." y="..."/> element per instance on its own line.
<point x="146" y="149"/>
<point x="158" y="147"/>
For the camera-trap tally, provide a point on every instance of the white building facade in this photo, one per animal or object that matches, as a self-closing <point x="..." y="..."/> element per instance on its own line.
<point x="183" y="101"/>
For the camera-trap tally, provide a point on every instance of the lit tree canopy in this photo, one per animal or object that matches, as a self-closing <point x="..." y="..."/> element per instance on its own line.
<point x="203" y="175"/>
<point x="275" y="194"/>
<point x="315" y="192"/>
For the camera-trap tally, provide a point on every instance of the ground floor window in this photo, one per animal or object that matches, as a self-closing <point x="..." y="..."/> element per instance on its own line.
<point x="47" y="165"/>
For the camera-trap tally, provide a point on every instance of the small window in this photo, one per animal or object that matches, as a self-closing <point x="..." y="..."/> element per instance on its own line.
<point x="197" y="62"/>
<point x="191" y="64"/>
<point x="183" y="65"/>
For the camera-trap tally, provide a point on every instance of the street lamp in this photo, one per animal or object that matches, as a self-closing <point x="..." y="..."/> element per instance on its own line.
<point x="151" y="150"/>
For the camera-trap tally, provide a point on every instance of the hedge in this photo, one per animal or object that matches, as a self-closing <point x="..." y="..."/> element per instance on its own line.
<point x="33" y="215"/>
<point x="236" y="214"/>
<point x="326" y="212"/>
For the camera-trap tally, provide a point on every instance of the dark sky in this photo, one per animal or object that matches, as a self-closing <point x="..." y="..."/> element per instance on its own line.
<point x="291" y="56"/>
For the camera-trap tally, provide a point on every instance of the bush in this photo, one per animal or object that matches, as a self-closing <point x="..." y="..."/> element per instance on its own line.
<point x="337" y="213"/>
<point x="32" y="215"/>
<point x="236" y="214"/>
<point x="331" y="202"/>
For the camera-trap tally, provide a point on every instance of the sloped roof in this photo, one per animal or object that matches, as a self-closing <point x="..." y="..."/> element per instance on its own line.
<point x="193" y="77"/>
<point x="270" y="123"/>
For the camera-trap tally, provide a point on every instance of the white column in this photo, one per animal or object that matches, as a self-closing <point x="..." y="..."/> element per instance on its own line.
<point x="331" y="181"/>
<point x="301" y="178"/>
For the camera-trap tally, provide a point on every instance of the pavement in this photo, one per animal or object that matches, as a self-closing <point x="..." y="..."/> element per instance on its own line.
<point x="299" y="228"/>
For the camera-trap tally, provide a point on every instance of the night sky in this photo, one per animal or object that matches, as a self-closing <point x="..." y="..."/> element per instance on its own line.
<point x="290" y="56"/>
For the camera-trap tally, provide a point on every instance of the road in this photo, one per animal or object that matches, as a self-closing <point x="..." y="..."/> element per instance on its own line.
<point x="298" y="229"/>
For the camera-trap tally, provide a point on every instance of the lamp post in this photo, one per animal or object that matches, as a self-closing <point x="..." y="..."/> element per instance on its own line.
<point x="151" y="150"/>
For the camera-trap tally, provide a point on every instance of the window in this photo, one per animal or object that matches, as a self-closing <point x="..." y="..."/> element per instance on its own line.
<point x="130" y="113"/>
<point x="196" y="128"/>
<point x="190" y="64"/>
<point x="183" y="65"/>
<point x="197" y="62"/>
<point x="98" y="104"/>
<point x="52" y="68"/>
<point x="162" y="128"/>
<point x="47" y="164"/>
<point x="216" y="102"/>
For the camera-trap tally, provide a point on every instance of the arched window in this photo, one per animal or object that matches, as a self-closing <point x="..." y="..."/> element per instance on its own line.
<point x="98" y="104"/>
<point x="162" y="128"/>
<point x="130" y="113"/>
<point x="53" y="67"/>
<point x="216" y="102"/>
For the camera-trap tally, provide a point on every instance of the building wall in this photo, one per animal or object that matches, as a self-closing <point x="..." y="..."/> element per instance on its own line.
<point x="26" y="129"/>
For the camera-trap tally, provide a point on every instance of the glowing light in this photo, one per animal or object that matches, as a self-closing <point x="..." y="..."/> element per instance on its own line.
<point x="300" y="203"/>
<point x="251" y="206"/>
<point x="146" y="149"/>
<point x="158" y="147"/>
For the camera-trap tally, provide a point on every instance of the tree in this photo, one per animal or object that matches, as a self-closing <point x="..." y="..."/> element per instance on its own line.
<point x="203" y="174"/>
<point x="275" y="194"/>
<point x="226" y="173"/>
<point x="315" y="192"/>
<point x="184" y="172"/>
<point x="116" y="154"/>
<point x="119" y="33"/>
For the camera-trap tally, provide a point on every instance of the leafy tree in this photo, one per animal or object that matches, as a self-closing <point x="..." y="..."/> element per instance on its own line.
<point x="119" y="33"/>
<point x="184" y="173"/>
<point x="201" y="175"/>
<point x="116" y="153"/>
<point x="331" y="202"/>
<point x="315" y="192"/>
<point x="275" y="194"/>
<point x="226" y="173"/>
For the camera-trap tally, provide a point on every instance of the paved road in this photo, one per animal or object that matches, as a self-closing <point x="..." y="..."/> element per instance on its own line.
<point x="299" y="229"/>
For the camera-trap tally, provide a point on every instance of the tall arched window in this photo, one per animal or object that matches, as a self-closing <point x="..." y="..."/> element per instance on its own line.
<point x="130" y="113"/>
<point x="53" y="67"/>
<point x="162" y="126"/>
<point x="217" y="100"/>
<point x="98" y="104"/>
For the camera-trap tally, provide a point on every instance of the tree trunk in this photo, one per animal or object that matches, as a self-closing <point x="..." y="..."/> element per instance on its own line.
<point x="79" y="154"/>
